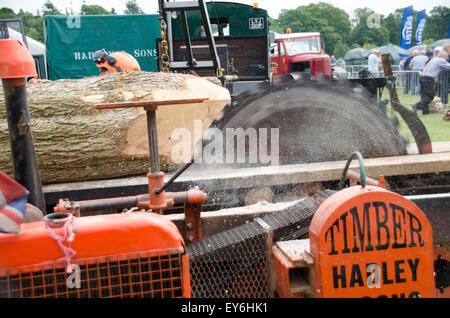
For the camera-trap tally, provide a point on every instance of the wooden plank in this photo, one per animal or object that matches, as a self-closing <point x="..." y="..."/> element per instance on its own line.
<point x="297" y="252"/>
<point x="276" y="175"/>
<point x="319" y="172"/>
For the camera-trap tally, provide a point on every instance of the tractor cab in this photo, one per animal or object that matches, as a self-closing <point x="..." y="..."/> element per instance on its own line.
<point x="299" y="52"/>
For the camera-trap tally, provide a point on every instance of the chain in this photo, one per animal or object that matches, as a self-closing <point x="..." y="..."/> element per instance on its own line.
<point x="219" y="72"/>
<point x="165" y="61"/>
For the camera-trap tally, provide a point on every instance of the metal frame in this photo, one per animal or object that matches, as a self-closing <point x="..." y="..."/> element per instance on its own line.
<point x="165" y="9"/>
<point x="22" y="30"/>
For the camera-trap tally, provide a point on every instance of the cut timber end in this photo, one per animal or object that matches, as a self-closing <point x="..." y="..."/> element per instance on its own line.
<point x="74" y="142"/>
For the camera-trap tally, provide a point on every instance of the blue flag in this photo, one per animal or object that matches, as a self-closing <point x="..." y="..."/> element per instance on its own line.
<point x="421" y="16"/>
<point x="407" y="28"/>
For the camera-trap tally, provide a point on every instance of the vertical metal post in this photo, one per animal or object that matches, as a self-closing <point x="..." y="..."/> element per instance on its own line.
<point x="153" y="141"/>
<point x="169" y="34"/>
<point x="26" y="171"/>
<point x="207" y="25"/>
<point x="191" y="61"/>
<point x="155" y="176"/>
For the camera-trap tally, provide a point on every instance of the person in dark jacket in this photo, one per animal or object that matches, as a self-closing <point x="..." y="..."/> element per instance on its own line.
<point x="408" y="75"/>
<point x="429" y="79"/>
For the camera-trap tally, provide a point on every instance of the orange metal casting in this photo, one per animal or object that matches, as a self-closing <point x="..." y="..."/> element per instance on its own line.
<point x="355" y="177"/>
<point x="156" y="181"/>
<point x="15" y="60"/>
<point x="102" y="235"/>
<point x="361" y="226"/>
<point x="193" y="199"/>
<point x="119" y="255"/>
<point x="192" y="219"/>
<point x="282" y="267"/>
<point x="194" y="195"/>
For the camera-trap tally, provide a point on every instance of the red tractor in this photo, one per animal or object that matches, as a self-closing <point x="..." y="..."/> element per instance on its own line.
<point x="298" y="52"/>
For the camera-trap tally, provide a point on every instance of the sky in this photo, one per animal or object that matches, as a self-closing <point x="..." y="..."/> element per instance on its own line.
<point x="273" y="7"/>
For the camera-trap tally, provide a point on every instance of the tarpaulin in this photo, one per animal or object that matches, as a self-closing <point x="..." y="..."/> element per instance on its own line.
<point x="71" y="41"/>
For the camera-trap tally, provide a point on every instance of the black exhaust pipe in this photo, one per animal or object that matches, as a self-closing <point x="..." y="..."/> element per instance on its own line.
<point x="16" y="65"/>
<point x="26" y="171"/>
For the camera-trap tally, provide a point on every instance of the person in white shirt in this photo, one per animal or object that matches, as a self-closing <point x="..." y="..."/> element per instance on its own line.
<point x="374" y="61"/>
<point x="417" y="64"/>
<point x="436" y="50"/>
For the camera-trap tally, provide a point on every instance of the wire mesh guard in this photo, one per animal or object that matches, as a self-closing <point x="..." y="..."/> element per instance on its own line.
<point x="159" y="276"/>
<point x="235" y="263"/>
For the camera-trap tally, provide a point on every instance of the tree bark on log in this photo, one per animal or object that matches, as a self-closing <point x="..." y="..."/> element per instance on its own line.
<point x="76" y="143"/>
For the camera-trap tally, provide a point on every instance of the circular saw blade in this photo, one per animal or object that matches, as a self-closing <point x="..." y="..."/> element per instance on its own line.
<point x="317" y="121"/>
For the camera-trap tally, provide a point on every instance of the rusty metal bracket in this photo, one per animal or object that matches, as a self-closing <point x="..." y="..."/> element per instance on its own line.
<point x="192" y="212"/>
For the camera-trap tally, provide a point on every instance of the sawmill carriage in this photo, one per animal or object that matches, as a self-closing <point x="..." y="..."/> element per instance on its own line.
<point x="363" y="241"/>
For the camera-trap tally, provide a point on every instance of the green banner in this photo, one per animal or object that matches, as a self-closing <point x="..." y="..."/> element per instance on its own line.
<point x="71" y="42"/>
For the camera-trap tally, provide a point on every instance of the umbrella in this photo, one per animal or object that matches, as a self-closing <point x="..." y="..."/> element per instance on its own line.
<point x="357" y="53"/>
<point x="420" y="47"/>
<point x="391" y="48"/>
<point x="394" y="51"/>
<point x="439" y="43"/>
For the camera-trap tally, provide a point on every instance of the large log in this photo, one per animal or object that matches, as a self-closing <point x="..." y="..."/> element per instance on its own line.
<point x="76" y="143"/>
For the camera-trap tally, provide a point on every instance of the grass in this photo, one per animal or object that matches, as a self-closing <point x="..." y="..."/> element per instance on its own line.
<point x="438" y="129"/>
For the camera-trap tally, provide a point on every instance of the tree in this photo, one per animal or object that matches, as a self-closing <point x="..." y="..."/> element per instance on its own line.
<point x="341" y="49"/>
<point x="436" y="26"/>
<point x="93" y="10"/>
<point x="33" y="25"/>
<point x="132" y="8"/>
<point x="332" y="23"/>
<point x="49" y="9"/>
<point x="365" y="33"/>
<point x="393" y="22"/>
<point x="6" y="13"/>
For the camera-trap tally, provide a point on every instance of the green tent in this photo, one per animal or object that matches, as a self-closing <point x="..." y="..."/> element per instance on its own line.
<point x="72" y="41"/>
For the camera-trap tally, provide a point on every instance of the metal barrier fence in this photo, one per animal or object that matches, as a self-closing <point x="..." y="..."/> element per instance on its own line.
<point x="407" y="82"/>
<point x="443" y="86"/>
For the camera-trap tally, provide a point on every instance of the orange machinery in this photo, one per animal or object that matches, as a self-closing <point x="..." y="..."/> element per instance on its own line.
<point x="364" y="242"/>
<point x="129" y="254"/>
<point x="121" y="255"/>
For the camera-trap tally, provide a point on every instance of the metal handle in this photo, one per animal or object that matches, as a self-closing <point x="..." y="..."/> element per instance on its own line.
<point x="362" y="171"/>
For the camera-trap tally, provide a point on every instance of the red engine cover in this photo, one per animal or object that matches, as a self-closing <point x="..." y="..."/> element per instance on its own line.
<point x="132" y="254"/>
